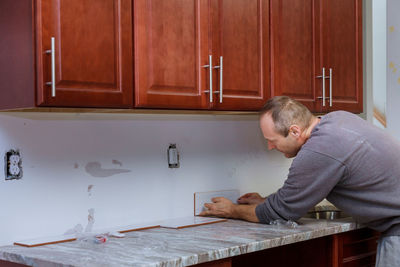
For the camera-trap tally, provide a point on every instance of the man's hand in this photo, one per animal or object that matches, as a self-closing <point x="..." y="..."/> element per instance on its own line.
<point x="222" y="207"/>
<point x="251" y="198"/>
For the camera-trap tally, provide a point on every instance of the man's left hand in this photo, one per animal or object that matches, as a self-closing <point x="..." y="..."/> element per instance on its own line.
<point x="221" y="207"/>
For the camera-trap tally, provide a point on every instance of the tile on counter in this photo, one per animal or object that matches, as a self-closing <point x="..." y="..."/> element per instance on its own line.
<point x="190" y="221"/>
<point x="46" y="240"/>
<point x="200" y="198"/>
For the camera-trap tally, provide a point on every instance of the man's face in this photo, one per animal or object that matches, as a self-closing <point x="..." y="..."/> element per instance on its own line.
<point x="289" y="145"/>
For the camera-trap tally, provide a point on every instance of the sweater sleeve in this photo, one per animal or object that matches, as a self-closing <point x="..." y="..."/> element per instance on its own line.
<point x="311" y="177"/>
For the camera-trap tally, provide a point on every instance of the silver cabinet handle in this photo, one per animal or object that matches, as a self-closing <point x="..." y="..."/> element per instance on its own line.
<point x="330" y="87"/>
<point x="52" y="52"/>
<point x="221" y="75"/>
<point x="220" y="67"/>
<point x="210" y="68"/>
<point x="323" y="86"/>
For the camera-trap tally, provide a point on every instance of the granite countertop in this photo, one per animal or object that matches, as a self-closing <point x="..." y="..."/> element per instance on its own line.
<point x="176" y="247"/>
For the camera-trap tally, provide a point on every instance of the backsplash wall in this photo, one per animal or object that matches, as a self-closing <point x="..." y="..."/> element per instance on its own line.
<point x="116" y="166"/>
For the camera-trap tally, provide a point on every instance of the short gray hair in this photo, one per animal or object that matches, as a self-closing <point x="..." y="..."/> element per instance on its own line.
<point x="285" y="112"/>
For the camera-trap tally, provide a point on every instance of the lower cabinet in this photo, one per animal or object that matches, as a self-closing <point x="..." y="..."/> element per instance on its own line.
<point x="350" y="249"/>
<point x="355" y="248"/>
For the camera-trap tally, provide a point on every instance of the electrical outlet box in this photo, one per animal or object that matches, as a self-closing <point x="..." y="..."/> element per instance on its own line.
<point x="173" y="156"/>
<point x="13" y="164"/>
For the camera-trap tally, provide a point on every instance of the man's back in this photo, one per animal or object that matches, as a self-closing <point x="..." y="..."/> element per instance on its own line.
<point x="369" y="187"/>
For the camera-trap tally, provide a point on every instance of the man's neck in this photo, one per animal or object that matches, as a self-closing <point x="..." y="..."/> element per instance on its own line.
<point x="314" y="122"/>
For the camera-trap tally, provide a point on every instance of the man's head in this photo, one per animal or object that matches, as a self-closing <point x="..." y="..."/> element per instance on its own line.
<point x="285" y="123"/>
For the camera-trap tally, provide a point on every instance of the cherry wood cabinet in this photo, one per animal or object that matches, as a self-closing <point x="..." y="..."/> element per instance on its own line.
<point x="354" y="248"/>
<point x="186" y="49"/>
<point x="171" y="54"/>
<point x="342" y="48"/>
<point x="313" y="39"/>
<point x="93" y="56"/>
<point x="171" y="44"/>
<point x="88" y="63"/>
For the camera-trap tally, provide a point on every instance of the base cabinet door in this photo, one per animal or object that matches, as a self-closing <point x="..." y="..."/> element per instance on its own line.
<point x="84" y="53"/>
<point x="355" y="248"/>
<point x="310" y="253"/>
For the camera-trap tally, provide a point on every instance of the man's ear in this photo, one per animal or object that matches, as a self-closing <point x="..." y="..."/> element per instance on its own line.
<point x="295" y="130"/>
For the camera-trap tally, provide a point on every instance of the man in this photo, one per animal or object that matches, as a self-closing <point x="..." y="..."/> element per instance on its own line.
<point x="340" y="157"/>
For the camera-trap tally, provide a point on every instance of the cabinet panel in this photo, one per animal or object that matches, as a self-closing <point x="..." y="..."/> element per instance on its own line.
<point x="171" y="46"/>
<point x="312" y="35"/>
<point x="241" y="37"/>
<point x="296" y="51"/>
<point x="310" y="253"/>
<point x="17" y="73"/>
<point x="93" y="55"/>
<point x="218" y="263"/>
<point x="343" y="53"/>
<point x="355" y="248"/>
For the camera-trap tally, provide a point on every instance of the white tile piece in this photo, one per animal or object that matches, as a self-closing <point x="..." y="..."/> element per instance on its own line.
<point x="129" y="228"/>
<point x="200" y="198"/>
<point x="72" y="237"/>
<point x="45" y="240"/>
<point x="184" y="222"/>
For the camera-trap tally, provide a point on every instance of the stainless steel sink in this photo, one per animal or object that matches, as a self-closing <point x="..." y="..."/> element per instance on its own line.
<point x="327" y="214"/>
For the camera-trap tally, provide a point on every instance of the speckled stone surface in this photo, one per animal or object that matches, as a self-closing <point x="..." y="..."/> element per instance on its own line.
<point x="175" y="247"/>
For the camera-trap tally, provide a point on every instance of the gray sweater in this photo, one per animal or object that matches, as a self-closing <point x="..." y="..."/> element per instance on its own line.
<point x="352" y="163"/>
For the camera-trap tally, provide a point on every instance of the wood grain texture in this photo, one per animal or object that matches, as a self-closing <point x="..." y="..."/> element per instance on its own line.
<point x="10" y="264"/>
<point x="218" y="263"/>
<point x="311" y="253"/>
<point x="342" y="24"/>
<point x="355" y="248"/>
<point x="307" y="36"/>
<point x="240" y="31"/>
<point x="173" y="41"/>
<point x="296" y="51"/>
<point x="171" y="46"/>
<point x="17" y="70"/>
<point x="93" y="43"/>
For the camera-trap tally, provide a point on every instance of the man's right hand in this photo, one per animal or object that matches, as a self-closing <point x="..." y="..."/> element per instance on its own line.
<point x="251" y="198"/>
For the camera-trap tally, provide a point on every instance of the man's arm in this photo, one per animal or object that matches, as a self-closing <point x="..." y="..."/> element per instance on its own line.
<point x="222" y="207"/>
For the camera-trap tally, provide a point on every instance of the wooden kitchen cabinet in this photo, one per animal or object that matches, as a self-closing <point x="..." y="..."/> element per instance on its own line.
<point x="355" y="248"/>
<point x="89" y="63"/>
<point x="175" y="42"/>
<point x="309" y="37"/>
<point x="310" y="253"/>
<point x="171" y="54"/>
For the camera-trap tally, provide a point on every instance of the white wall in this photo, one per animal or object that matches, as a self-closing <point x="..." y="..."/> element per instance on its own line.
<point x="379" y="54"/>
<point x="393" y="67"/>
<point x="54" y="195"/>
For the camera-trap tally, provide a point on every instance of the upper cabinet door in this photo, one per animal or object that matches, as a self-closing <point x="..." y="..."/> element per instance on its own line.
<point x="171" y="53"/>
<point x="296" y="60"/>
<point x="92" y="53"/>
<point x="342" y="24"/>
<point x="240" y="32"/>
